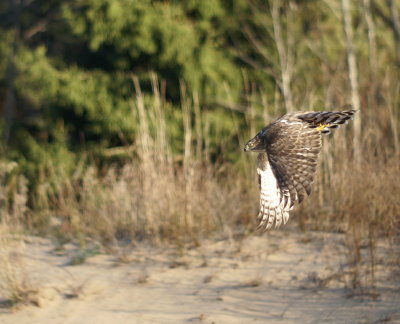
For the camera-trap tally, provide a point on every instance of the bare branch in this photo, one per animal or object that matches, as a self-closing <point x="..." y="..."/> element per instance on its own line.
<point x="391" y="21"/>
<point x="396" y="26"/>
<point x="257" y="44"/>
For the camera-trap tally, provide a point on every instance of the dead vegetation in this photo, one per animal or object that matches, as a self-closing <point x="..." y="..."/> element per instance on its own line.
<point x="15" y="284"/>
<point x="157" y="196"/>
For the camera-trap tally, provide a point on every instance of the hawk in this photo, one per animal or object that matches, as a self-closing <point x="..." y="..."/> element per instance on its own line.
<point x="287" y="160"/>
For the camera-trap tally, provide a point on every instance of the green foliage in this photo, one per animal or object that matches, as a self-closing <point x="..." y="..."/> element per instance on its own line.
<point x="49" y="162"/>
<point x="94" y="153"/>
<point x="95" y="99"/>
<point x="177" y="40"/>
<point x="76" y="71"/>
<point x="74" y="63"/>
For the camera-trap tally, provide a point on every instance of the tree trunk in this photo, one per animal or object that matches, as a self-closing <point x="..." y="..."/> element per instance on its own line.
<point x="373" y="61"/>
<point x="285" y="55"/>
<point x="371" y="37"/>
<point x="353" y="76"/>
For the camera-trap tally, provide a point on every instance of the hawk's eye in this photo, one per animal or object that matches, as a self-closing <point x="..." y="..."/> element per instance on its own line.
<point x="255" y="144"/>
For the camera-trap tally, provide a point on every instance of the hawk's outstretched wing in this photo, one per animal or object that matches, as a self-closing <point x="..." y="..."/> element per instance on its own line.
<point x="288" y="160"/>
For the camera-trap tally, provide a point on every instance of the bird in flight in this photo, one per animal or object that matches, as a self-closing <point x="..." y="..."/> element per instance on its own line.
<point x="287" y="160"/>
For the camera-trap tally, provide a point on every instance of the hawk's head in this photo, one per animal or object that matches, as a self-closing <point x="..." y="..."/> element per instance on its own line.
<point x="256" y="144"/>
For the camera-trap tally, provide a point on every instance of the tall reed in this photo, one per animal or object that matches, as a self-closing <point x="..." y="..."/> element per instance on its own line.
<point x="159" y="194"/>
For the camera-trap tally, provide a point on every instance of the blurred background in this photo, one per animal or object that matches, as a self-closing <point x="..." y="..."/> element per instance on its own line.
<point x="126" y="120"/>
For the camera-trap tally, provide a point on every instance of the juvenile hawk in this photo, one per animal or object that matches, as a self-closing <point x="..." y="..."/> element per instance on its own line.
<point x="287" y="162"/>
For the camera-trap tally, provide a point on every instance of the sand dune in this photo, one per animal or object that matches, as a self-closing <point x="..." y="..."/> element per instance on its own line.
<point x="276" y="277"/>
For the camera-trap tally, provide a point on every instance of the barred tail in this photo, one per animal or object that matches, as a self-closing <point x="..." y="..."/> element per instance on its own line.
<point x="326" y="120"/>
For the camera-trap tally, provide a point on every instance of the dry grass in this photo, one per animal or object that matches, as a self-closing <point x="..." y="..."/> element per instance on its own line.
<point x="16" y="288"/>
<point x="159" y="196"/>
<point x="360" y="200"/>
<point x="156" y="195"/>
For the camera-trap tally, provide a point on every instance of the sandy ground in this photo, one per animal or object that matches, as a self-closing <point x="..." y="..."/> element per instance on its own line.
<point x="277" y="277"/>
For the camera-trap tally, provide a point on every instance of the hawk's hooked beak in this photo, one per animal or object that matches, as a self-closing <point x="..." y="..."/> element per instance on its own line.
<point x="256" y="144"/>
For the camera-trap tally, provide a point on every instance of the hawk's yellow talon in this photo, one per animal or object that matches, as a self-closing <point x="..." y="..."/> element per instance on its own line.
<point x="322" y="126"/>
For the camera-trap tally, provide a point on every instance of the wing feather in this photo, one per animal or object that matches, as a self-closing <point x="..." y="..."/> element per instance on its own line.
<point x="293" y="148"/>
<point x="287" y="168"/>
<point x="273" y="209"/>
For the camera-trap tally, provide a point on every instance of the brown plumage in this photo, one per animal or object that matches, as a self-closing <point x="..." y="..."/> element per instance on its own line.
<point x="287" y="162"/>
